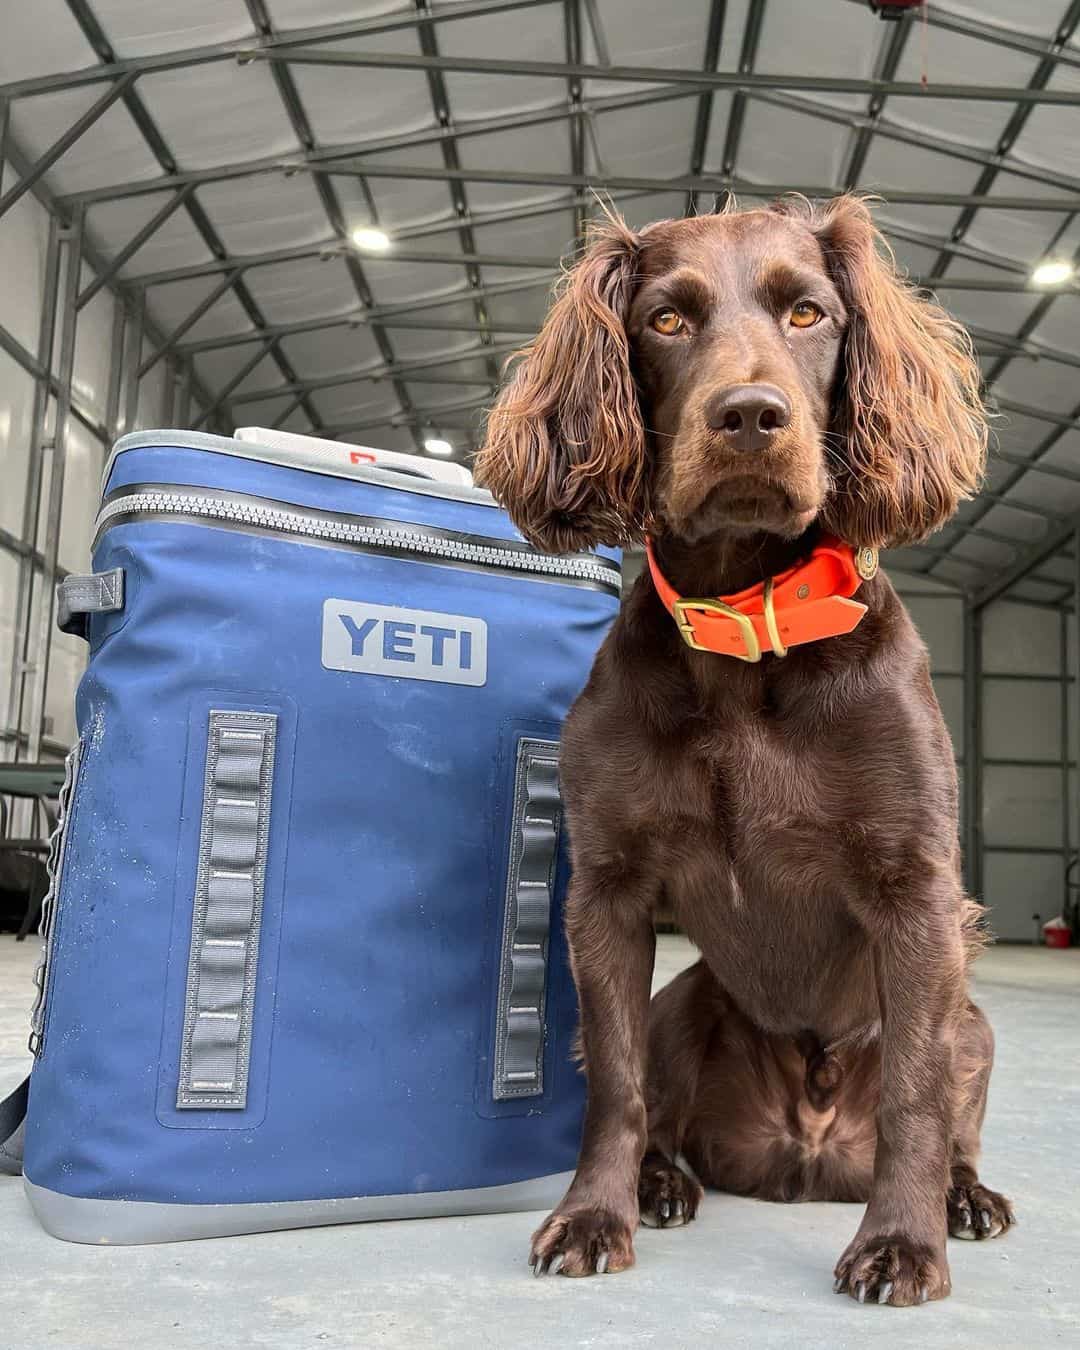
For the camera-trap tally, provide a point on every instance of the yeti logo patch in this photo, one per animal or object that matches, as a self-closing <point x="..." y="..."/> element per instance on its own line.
<point x="411" y="644"/>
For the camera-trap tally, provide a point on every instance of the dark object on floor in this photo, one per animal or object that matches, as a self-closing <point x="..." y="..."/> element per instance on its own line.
<point x="23" y="883"/>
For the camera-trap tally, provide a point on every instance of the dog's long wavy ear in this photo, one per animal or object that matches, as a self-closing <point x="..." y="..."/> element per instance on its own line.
<point x="911" y="426"/>
<point x="565" y="447"/>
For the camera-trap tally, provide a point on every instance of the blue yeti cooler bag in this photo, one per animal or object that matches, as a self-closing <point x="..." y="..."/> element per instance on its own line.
<point x="304" y="958"/>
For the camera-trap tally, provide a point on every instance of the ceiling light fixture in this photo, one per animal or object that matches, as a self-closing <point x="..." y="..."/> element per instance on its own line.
<point x="375" y="241"/>
<point x="434" y="446"/>
<point x="1053" y="272"/>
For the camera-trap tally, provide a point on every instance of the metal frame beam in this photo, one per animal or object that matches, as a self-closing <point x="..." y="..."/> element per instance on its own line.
<point x="890" y="54"/>
<point x="412" y="140"/>
<point x="41" y="650"/>
<point x="1022" y="111"/>
<point x="703" y="121"/>
<point x="755" y="18"/>
<point x="1008" y="284"/>
<point x="83" y="14"/>
<point x="326" y="252"/>
<point x="207" y="303"/>
<point x="44" y="162"/>
<point x="135" y="243"/>
<point x="940" y="17"/>
<point x="355" y="319"/>
<point x="240" y="49"/>
<point x="686" y="183"/>
<point x="320" y="156"/>
<point x="440" y="106"/>
<point x="327" y="193"/>
<point x="221" y="398"/>
<point x="21" y="666"/>
<point x="717" y="79"/>
<point x="1050" y="543"/>
<point x="378" y="374"/>
<point x="420" y="417"/>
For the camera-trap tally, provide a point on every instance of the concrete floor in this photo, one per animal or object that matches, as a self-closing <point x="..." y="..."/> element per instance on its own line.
<point x="745" y="1274"/>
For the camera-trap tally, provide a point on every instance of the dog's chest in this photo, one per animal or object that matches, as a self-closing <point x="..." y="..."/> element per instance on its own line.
<point x="762" y="880"/>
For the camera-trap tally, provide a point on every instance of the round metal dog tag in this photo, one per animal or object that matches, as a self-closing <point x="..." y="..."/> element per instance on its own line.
<point x="866" y="562"/>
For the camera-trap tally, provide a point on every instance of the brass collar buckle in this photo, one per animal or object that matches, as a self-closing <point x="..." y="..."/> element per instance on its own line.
<point x="746" y="628"/>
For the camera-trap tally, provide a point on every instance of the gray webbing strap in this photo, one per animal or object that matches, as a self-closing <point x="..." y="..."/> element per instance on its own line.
<point x="520" y="1028"/>
<point x="216" y="1048"/>
<point x="97" y="593"/>
<point x="50" y="904"/>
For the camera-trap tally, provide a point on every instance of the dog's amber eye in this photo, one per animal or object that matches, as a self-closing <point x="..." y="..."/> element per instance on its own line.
<point x="806" y="314"/>
<point x="666" y="321"/>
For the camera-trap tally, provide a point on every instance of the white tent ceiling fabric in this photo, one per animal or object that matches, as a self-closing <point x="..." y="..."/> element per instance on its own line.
<point x="424" y="329"/>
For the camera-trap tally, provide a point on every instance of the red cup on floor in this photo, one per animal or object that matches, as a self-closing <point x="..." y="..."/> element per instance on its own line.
<point x="1056" y="937"/>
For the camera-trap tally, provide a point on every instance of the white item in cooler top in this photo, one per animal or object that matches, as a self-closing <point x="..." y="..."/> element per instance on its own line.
<point x="320" y="452"/>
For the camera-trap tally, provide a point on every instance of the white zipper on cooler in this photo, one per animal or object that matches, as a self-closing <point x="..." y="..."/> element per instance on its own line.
<point x="389" y="535"/>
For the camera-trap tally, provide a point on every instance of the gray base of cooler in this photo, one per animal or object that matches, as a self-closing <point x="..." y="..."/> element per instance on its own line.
<point x="130" y="1222"/>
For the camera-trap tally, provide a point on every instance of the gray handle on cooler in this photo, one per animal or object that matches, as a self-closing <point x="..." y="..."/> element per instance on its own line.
<point x="93" y="593"/>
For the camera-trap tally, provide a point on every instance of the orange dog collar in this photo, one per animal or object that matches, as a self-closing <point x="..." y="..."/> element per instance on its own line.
<point x="808" y="602"/>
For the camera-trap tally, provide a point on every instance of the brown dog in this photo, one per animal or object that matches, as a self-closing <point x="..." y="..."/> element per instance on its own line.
<point x="733" y="387"/>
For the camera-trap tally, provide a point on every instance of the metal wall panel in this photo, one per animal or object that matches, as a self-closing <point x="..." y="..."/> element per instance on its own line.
<point x="9" y="583"/>
<point x="23" y="232"/>
<point x="1022" y="719"/>
<point x="940" y="621"/>
<point x="93" y="350"/>
<point x="1022" y="807"/>
<point x="1026" y="825"/>
<point x="1020" y="640"/>
<point x="16" y="405"/>
<point x="82" y="494"/>
<point x="1018" y="886"/>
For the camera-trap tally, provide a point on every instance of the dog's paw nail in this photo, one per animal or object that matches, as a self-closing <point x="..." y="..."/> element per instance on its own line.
<point x="860" y="1292"/>
<point x="556" y="1265"/>
<point x="601" y="1263"/>
<point x="678" y="1209"/>
<point x="984" y="1220"/>
<point x="838" y="1284"/>
<point x="665" y="1210"/>
<point x="885" y="1292"/>
<point x="538" y="1268"/>
<point x="924" y="1294"/>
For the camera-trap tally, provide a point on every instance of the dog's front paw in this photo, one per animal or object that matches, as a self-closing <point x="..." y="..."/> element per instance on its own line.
<point x="977" y="1212"/>
<point x="582" y="1242"/>
<point x="892" y="1269"/>
<point x="666" y="1195"/>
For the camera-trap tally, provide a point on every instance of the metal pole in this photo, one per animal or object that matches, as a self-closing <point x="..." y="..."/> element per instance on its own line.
<point x="20" y="668"/>
<point x="5" y="121"/>
<point x="1066" y="822"/>
<point x="1076" y="659"/>
<point x="132" y="358"/>
<point x="183" y="394"/>
<point x="973" y="766"/>
<point x="168" y="393"/>
<point x="51" y="549"/>
<point x="116" y="370"/>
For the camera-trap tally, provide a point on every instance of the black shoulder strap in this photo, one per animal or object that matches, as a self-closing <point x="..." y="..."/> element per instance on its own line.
<point x="12" y="1122"/>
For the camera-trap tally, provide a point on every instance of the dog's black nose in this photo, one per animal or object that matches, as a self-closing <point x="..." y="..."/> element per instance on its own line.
<point x="748" y="414"/>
